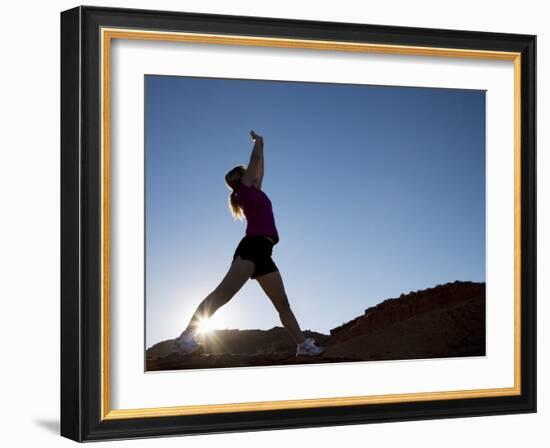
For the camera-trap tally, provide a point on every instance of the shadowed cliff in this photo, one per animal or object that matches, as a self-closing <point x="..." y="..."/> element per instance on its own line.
<point x="445" y="321"/>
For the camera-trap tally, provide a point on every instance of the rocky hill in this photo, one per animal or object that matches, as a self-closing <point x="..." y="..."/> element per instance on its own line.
<point x="444" y="321"/>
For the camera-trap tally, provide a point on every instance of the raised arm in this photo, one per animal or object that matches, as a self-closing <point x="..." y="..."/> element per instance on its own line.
<point x="254" y="173"/>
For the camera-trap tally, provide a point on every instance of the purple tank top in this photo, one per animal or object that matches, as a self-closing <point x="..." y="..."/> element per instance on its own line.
<point x="257" y="210"/>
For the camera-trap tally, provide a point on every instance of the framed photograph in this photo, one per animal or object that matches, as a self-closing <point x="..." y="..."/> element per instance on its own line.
<point x="270" y="223"/>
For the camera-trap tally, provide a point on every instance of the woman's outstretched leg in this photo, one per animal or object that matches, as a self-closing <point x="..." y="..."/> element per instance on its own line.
<point x="272" y="284"/>
<point x="239" y="272"/>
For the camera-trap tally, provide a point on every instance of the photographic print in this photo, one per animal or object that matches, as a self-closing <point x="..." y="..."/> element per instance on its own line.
<point x="252" y="201"/>
<point x="304" y="222"/>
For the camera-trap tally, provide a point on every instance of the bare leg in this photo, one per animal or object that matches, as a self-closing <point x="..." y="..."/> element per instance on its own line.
<point x="272" y="284"/>
<point x="239" y="272"/>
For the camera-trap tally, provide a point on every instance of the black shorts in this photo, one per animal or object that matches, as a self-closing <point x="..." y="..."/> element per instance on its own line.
<point x="257" y="249"/>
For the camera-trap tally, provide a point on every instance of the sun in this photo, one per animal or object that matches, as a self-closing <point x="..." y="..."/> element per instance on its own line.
<point x="205" y="326"/>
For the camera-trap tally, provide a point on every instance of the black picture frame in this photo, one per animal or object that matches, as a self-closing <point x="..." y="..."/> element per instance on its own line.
<point x="81" y="224"/>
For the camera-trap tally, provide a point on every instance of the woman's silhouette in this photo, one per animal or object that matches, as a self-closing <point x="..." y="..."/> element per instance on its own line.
<point x="252" y="258"/>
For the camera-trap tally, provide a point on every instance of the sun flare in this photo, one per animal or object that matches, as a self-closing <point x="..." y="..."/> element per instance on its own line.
<point x="205" y="326"/>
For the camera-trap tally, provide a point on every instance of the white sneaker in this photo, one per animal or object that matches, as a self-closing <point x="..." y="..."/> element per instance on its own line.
<point x="309" y="348"/>
<point x="185" y="344"/>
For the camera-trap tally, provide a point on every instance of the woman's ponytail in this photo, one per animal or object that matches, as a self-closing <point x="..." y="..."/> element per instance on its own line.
<point x="234" y="206"/>
<point x="233" y="180"/>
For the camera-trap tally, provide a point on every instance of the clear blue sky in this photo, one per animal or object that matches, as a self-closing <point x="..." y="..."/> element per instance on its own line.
<point x="376" y="191"/>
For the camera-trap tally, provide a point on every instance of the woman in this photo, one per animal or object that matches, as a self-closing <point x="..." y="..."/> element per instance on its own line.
<point x="252" y="258"/>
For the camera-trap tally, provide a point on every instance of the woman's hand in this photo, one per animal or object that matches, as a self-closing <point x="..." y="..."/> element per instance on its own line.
<point x="256" y="137"/>
<point x="255" y="170"/>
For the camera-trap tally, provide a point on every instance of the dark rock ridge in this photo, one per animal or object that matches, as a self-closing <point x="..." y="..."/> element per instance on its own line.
<point x="241" y="342"/>
<point x="447" y="320"/>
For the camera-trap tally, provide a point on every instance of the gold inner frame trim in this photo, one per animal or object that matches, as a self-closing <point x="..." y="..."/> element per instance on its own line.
<point x="107" y="34"/>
